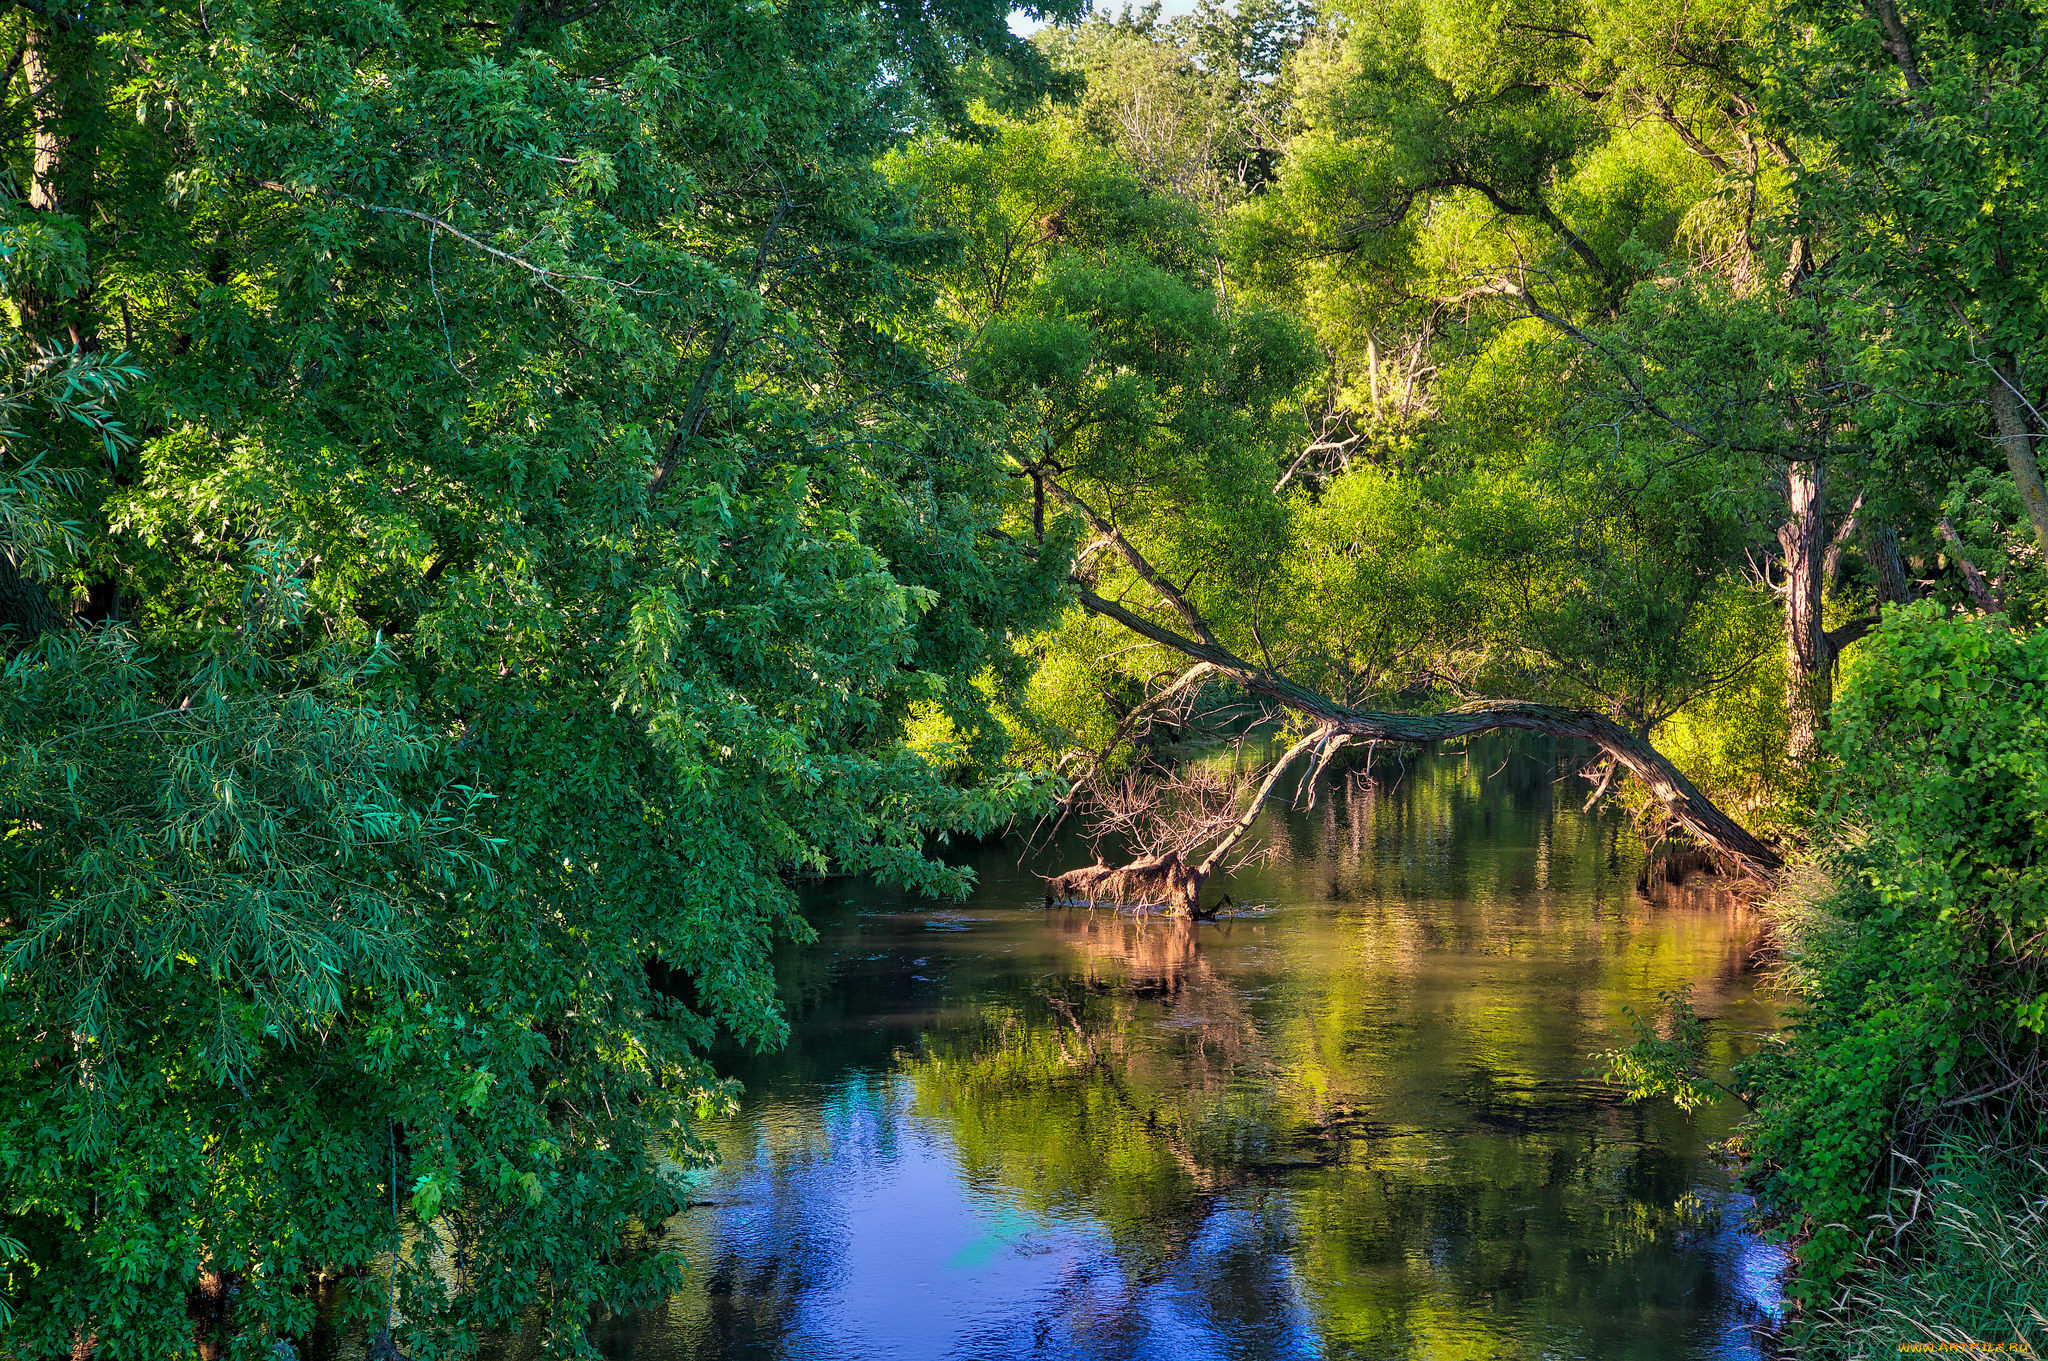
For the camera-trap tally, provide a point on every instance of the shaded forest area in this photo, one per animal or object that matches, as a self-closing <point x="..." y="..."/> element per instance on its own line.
<point x="493" y="495"/>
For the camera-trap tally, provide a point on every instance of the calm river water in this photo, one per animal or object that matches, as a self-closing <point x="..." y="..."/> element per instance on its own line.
<point x="1355" y="1120"/>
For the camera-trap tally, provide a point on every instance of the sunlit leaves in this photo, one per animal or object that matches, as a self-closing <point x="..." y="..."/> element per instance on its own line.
<point x="537" y="534"/>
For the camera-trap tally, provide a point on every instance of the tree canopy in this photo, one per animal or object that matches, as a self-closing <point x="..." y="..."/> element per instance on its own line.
<point x="491" y="497"/>
<point x="515" y="556"/>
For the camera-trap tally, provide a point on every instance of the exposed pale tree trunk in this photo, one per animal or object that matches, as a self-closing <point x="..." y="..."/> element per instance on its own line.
<point x="1809" y="663"/>
<point x="46" y="107"/>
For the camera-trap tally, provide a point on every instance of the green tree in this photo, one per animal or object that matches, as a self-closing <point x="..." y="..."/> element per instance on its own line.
<point x="529" y="538"/>
<point x="1913" y="941"/>
<point x="1159" y="417"/>
<point x="1933" y="194"/>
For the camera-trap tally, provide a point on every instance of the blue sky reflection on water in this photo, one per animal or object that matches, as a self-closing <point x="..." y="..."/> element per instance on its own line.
<point x="878" y="1244"/>
<point x="887" y="1249"/>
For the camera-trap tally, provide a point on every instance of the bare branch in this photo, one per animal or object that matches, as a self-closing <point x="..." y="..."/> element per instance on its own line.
<point x="1128" y="551"/>
<point x="694" y="409"/>
<point x="1243" y="822"/>
<point x="541" y="273"/>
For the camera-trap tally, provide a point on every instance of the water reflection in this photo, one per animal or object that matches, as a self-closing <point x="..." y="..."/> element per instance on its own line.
<point x="1352" y="1121"/>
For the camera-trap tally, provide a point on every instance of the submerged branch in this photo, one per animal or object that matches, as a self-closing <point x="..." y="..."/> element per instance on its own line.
<point x="1163" y="876"/>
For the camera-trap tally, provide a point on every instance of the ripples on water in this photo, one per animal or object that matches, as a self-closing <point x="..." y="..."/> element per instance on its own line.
<point x="1355" y="1121"/>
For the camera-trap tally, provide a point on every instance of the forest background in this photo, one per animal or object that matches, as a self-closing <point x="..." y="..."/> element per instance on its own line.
<point x="493" y="494"/>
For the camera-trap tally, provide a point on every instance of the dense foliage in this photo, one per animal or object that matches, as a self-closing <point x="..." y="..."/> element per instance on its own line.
<point x="1667" y="353"/>
<point x="491" y="495"/>
<point x="515" y="559"/>
<point x="1919" y="955"/>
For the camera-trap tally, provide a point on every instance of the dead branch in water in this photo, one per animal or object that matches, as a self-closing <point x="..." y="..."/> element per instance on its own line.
<point x="1166" y="819"/>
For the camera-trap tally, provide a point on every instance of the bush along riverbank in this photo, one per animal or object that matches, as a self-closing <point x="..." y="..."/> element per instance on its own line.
<point x="1899" y="1127"/>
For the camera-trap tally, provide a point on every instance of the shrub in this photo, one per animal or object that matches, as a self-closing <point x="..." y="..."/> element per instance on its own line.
<point x="1913" y="939"/>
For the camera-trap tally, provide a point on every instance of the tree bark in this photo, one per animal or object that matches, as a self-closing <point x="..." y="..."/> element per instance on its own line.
<point x="1728" y="839"/>
<point x="1881" y="542"/>
<point x="1809" y="664"/>
<point x="1897" y="40"/>
<point x="1980" y="590"/>
<point x="207" y="1306"/>
<point x="60" y="169"/>
<point x="2016" y="437"/>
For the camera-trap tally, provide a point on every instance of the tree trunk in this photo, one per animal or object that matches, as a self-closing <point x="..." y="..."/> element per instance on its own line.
<point x="53" y="65"/>
<point x="207" y="1306"/>
<point x="1692" y="810"/>
<point x="1688" y="807"/>
<point x="1881" y="541"/>
<point x="324" y="1342"/>
<point x="2016" y="437"/>
<point x="1980" y="590"/>
<point x="1809" y="669"/>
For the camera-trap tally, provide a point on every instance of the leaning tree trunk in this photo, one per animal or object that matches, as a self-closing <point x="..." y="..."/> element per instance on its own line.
<point x="1729" y="840"/>
<point x="2016" y="436"/>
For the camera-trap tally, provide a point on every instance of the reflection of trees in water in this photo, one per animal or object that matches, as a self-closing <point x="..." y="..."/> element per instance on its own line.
<point x="1479" y="821"/>
<point x="1151" y="956"/>
<point x="1195" y="1091"/>
<point x="1153" y="1091"/>
<point x="761" y="1248"/>
<point x="1140" y="1090"/>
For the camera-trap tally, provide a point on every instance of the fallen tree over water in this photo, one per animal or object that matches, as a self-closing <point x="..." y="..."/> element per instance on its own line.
<point x="1168" y="876"/>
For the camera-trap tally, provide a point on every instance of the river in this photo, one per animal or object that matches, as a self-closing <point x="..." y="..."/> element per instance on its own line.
<point x="1354" y="1119"/>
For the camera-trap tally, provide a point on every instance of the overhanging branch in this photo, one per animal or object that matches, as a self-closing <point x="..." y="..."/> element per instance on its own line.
<point x="1691" y="809"/>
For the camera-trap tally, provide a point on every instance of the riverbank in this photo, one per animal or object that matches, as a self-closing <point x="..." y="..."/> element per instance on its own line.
<point x="1901" y="1120"/>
